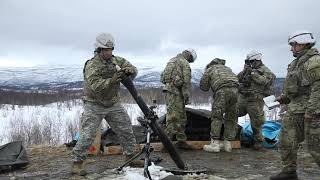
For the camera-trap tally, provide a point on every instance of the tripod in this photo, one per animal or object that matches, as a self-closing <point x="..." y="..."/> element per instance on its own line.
<point x="147" y="149"/>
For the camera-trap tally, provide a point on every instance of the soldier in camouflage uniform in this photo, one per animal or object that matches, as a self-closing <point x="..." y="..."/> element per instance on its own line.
<point x="302" y="95"/>
<point x="102" y="76"/>
<point x="177" y="80"/>
<point x="255" y="83"/>
<point x="224" y="85"/>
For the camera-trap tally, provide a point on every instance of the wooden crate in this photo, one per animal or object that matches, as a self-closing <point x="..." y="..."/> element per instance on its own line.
<point x="94" y="149"/>
<point x="197" y="145"/>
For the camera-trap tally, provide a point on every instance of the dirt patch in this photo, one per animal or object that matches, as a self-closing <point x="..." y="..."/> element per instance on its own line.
<point x="55" y="163"/>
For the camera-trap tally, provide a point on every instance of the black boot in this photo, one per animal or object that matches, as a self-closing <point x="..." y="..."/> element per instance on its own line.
<point x="285" y="176"/>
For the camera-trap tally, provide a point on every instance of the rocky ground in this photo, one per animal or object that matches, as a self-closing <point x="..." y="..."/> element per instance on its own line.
<point x="244" y="164"/>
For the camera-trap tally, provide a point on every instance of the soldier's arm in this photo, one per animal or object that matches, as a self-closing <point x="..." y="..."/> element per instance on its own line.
<point x="262" y="76"/>
<point x="241" y="75"/>
<point x="205" y="81"/>
<point x="313" y="71"/>
<point x="186" y="78"/>
<point x="124" y="64"/>
<point x="96" y="82"/>
<point x="162" y="80"/>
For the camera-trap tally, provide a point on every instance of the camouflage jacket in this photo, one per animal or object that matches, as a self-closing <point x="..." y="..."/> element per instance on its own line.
<point x="302" y="84"/>
<point x="177" y="76"/>
<point x="97" y="74"/>
<point x="259" y="79"/>
<point x="218" y="76"/>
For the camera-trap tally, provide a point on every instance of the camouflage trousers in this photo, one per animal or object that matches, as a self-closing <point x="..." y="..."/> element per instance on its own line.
<point x="176" y="117"/>
<point x="224" y="106"/>
<point x="294" y="131"/>
<point x="91" y="118"/>
<point x="253" y="105"/>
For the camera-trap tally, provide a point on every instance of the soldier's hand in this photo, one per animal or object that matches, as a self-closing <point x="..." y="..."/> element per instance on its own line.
<point x="128" y="71"/>
<point x="246" y="66"/>
<point x="117" y="77"/>
<point x="279" y="99"/>
<point x="308" y="117"/>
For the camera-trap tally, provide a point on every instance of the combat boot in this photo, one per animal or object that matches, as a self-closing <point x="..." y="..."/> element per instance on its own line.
<point x="78" y="168"/>
<point x="214" y="146"/>
<point x="285" y="176"/>
<point x="183" y="145"/>
<point x="227" y="146"/>
<point x="136" y="162"/>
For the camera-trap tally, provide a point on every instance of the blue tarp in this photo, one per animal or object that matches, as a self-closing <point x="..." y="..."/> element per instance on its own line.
<point x="270" y="131"/>
<point x="77" y="136"/>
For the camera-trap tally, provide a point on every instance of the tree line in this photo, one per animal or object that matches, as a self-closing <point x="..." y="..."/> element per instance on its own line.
<point x="36" y="97"/>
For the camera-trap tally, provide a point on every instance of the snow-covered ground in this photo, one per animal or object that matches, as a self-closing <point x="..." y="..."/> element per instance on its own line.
<point x="60" y="120"/>
<point x="56" y="121"/>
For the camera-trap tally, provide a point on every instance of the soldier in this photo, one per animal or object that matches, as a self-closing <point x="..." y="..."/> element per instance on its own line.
<point x="177" y="80"/>
<point x="302" y="94"/>
<point x="224" y="85"/>
<point x="256" y="81"/>
<point x="102" y="76"/>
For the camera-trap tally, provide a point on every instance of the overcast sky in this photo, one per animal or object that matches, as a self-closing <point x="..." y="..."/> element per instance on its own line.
<point x="149" y="32"/>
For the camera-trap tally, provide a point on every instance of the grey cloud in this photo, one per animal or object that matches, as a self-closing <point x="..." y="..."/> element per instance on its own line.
<point x="142" y="26"/>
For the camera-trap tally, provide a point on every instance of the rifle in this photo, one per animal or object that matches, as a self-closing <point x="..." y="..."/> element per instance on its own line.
<point x="152" y="123"/>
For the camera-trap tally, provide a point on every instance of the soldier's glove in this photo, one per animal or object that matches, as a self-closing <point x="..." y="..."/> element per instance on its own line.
<point x="308" y="117"/>
<point x="128" y="71"/>
<point x="117" y="77"/>
<point x="247" y="67"/>
<point x="282" y="100"/>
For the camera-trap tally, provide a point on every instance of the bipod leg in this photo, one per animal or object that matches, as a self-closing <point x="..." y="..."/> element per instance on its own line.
<point x="130" y="160"/>
<point x="147" y="174"/>
<point x="148" y="149"/>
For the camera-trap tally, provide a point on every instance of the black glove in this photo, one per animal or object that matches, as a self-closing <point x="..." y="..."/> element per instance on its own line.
<point x="117" y="77"/>
<point x="128" y="71"/>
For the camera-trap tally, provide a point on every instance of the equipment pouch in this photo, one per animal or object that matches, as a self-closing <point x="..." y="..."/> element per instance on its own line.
<point x="291" y="84"/>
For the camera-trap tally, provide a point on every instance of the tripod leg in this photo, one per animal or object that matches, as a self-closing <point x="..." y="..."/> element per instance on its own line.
<point x="130" y="160"/>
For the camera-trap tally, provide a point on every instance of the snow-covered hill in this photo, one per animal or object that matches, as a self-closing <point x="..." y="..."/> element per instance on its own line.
<point x="70" y="76"/>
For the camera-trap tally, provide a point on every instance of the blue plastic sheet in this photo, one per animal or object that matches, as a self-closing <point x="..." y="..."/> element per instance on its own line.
<point x="77" y="136"/>
<point x="270" y="131"/>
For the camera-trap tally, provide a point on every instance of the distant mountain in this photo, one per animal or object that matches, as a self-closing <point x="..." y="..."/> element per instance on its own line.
<point x="70" y="77"/>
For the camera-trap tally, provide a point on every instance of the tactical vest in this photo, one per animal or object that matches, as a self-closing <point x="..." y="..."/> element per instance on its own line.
<point x="297" y="82"/>
<point x="254" y="88"/>
<point x="105" y="70"/>
<point x="221" y="76"/>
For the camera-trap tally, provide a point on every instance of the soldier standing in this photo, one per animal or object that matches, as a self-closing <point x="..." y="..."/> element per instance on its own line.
<point x="224" y="85"/>
<point x="302" y="94"/>
<point x="177" y="80"/>
<point x="255" y="83"/>
<point x="102" y="76"/>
